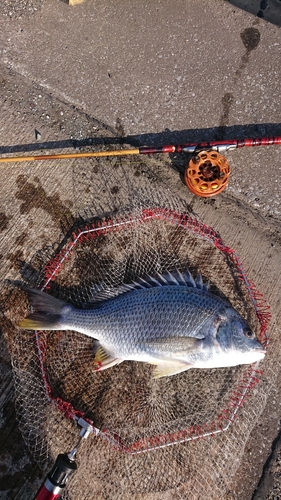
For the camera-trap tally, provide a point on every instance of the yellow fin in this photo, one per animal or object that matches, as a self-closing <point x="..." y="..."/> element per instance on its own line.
<point x="41" y="321"/>
<point x="29" y="324"/>
<point x="101" y="355"/>
<point x="104" y="360"/>
<point x="167" y="368"/>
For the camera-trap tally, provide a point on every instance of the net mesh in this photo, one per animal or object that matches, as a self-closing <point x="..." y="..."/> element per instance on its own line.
<point x="157" y="438"/>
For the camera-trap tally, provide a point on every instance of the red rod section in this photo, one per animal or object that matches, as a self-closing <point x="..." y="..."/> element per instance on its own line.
<point x="228" y="144"/>
<point x="264" y="141"/>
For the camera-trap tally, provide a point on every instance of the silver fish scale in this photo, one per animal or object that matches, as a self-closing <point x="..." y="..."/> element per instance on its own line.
<point x="124" y="325"/>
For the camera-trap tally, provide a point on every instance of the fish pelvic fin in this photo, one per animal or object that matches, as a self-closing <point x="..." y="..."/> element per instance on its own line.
<point x="104" y="360"/>
<point x="48" y="313"/>
<point x="167" y="368"/>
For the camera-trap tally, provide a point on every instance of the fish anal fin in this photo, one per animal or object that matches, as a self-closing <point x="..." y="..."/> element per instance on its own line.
<point x="167" y="368"/>
<point x="104" y="360"/>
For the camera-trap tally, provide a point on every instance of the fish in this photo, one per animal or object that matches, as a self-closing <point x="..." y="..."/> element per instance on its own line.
<point x="169" y="320"/>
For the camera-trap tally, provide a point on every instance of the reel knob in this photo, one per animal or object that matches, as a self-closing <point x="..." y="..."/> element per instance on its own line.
<point x="207" y="173"/>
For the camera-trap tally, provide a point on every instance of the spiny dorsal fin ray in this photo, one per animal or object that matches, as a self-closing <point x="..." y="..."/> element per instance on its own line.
<point x="171" y="278"/>
<point x="199" y="281"/>
<point x="174" y="278"/>
<point x="189" y="280"/>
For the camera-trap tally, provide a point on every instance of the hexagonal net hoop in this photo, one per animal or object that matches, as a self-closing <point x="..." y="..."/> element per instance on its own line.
<point x="123" y="404"/>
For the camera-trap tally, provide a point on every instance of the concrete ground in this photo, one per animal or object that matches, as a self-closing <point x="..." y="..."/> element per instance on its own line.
<point x="140" y="73"/>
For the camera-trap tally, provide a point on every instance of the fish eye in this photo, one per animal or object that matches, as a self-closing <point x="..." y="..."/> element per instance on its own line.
<point x="249" y="334"/>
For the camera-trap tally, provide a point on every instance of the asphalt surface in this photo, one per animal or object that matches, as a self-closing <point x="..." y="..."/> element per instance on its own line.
<point x="160" y="72"/>
<point x="142" y="73"/>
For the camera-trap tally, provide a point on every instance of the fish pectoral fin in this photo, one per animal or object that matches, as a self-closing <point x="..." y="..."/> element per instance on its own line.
<point x="177" y="345"/>
<point x="167" y="368"/>
<point x="104" y="360"/>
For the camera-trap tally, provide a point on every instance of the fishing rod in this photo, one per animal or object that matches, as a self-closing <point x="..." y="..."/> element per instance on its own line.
<point x="207" y="172"/>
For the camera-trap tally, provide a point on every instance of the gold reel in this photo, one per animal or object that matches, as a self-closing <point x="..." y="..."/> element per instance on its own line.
<point x="207" y="173"/>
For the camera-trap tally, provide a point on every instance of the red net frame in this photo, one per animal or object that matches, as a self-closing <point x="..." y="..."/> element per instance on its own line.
<point x="251" y="375"/>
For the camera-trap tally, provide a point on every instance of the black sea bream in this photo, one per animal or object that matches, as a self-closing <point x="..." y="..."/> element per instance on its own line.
<point x="171" y="321"/>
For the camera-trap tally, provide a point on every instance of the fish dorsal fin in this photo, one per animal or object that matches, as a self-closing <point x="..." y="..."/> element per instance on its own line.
<point x="174" y="278"/>
<point x="199" y="281"/>
<point x="101" y="294"/>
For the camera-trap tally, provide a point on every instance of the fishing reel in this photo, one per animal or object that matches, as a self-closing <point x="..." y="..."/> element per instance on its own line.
<point x="207" y="173"/>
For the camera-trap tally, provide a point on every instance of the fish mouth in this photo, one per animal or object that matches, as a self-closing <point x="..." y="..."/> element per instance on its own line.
<point x="260" y="353"/>
<point x="260" y="350"/>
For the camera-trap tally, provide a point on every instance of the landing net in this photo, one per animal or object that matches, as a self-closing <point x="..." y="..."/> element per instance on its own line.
<point x="151" y="434"/>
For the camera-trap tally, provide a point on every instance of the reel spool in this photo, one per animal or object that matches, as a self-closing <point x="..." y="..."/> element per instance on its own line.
<point x="207" y="174"/>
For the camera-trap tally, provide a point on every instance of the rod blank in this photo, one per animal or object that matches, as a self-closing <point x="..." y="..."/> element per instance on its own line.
<point x="220" y="146"/>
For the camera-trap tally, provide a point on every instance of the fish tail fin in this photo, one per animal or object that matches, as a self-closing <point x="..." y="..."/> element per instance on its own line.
<point x="49" y="312"/>
<point x="41" y="321"/>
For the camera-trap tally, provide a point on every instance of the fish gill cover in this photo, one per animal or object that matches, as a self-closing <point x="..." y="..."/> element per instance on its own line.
<point x="151" y="431"/>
